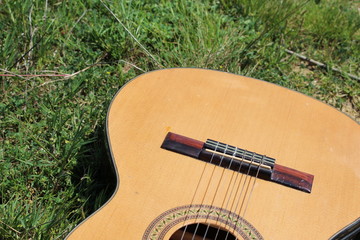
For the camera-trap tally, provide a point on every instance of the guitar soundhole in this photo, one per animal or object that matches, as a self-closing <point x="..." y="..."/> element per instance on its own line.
<point x="201" y="231"/>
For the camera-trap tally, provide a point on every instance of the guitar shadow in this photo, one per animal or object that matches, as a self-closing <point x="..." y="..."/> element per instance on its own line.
<point x="93" y="176"/>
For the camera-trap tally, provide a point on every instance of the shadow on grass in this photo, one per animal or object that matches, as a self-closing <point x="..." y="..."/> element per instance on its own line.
<point x="94" y="175"/>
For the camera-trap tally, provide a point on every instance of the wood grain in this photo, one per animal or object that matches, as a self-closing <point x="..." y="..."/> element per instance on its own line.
<point x="300" y="132"/>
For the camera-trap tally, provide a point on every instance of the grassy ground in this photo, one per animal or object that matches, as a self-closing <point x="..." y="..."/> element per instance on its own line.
<point x="52" y="159"/>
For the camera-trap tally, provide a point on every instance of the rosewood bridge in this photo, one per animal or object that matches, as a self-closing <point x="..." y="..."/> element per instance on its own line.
<point x="239" y="160"/>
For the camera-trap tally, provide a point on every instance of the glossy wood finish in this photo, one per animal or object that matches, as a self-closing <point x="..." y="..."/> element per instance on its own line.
<point x="292" y="178"/>
<point x="183" y="145"/>
<point x="298" y="131"/>
<point x="243" y="163"/>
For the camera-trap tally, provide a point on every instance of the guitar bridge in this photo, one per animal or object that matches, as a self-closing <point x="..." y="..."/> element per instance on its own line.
<point x="239" y="160"/>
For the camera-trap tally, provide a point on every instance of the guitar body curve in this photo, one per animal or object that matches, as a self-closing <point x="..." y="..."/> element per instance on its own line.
<point x="157" y="188"/>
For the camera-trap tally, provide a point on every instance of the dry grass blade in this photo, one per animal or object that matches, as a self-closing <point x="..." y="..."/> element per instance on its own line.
<point x="323" y="65"/>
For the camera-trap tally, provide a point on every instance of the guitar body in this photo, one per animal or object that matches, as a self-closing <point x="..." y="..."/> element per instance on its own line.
<point x="161" y="191"/>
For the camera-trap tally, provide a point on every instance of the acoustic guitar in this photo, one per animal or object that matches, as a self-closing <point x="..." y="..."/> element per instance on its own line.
<point x="203" y="154"/>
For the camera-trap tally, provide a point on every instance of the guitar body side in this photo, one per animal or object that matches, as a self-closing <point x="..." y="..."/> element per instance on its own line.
<point x="296" y="130"/>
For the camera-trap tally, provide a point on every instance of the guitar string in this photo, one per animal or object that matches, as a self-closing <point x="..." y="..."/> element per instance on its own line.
<point x="251" y="191"/>
<point x="245" y="183"/>
<point x="234" y="153"/>
<point x="192" y="201"/>
<point x="199" y="210"/>
<point x="217" y="188"/>
<point x="236" y="173"/>
<point x="247" y="188"/>
<point x="242" y="185"/>
<point x="206" y="191"/>
<point x="227" y="190"/>
<point x="195" y="193"/>
<point x="253" y="186"/>
<point x="238" y="187"/>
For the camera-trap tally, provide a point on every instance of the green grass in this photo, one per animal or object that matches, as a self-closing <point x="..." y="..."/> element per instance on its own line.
<point x="53" y="163"/>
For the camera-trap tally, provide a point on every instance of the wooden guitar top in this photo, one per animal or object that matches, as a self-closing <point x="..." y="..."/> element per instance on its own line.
<point x="160" y="191"/>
